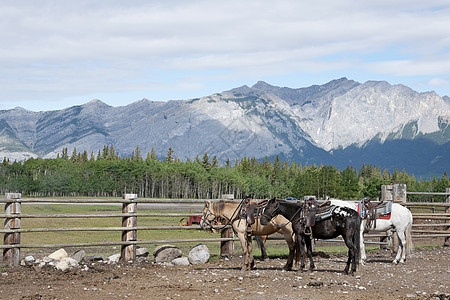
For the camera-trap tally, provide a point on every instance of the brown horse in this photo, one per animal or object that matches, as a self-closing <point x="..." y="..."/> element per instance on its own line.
<point x="230" y="211"/>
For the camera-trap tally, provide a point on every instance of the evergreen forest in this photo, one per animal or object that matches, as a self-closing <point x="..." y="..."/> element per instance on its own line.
<point x="106" y="174"/>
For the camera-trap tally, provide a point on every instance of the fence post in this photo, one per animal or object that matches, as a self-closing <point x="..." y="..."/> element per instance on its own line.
<point x="11" y="256"/>
<point x="386" y="192"/>
<point x="447" y="210"/>
<point x="128" y="252"/>
<point x="226" y="247"/>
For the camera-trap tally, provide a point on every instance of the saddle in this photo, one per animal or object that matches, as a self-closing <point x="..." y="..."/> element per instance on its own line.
<point x="372" y="210"/>
<point x="251" y="211"/>
<point x="315" y="211"/>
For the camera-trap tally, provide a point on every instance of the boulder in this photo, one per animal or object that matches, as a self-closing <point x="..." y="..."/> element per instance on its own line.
<point x="166" y="253"/>
<point x="97" y="257"/>
<point x="113" y="259"/>
<point x="181" y="261"/>
<point x="141" y="252"/>
<point x="199" y="254"/>
<point x="58" y="254"/>
<point x="66" y="263"/>
<point x="79" y="255"/>
<point x="27" y="261"/>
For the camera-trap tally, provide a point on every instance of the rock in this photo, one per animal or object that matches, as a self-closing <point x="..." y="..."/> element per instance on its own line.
<point x="166" y="253"/>
<point x="141" y="252"/>
<point x="199" y="254"/>
<point x="66" y="263"/>
<point x="79" y="255"/>
<point x="181" y="261"/>
<point x="97" y="257"/>
<point x="113" y="259"/>
<point x="59" y="254"/>
<point x="29" y="259"/>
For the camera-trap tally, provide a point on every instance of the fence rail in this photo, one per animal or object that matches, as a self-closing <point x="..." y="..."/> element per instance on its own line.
<point x="13" y="218"/>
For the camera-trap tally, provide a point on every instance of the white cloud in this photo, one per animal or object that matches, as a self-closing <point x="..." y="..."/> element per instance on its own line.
<point x="68" y="48"/>
<point x="438" y="82"/>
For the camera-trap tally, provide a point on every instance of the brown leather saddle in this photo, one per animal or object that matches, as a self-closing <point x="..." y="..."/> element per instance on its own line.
<point x="313" y="209"/>
<point x="251" y="211"/>
<point x="371" y="213"/>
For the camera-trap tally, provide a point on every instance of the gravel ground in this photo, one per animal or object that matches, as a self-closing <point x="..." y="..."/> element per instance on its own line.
<point x="425" y="275"/>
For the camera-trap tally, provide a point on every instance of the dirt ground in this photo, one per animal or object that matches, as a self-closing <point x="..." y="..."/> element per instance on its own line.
<point x="425" y="275"/>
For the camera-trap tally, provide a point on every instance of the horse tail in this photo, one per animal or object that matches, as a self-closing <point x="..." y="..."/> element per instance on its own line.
<point x="357" y="238"/>
<point x="409" y="243"/>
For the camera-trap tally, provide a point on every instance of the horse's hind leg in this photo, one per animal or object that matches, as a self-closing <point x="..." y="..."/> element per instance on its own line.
<point x="401" y="248"/>
<point x="351" y="256"/>
<point x="362" y="248"/>
<point x="261" y="244"/>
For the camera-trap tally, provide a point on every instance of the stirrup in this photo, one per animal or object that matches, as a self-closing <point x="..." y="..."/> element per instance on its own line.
<point x="306" y="231"/>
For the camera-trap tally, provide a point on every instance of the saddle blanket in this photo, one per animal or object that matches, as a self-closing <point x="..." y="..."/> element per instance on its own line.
<point x="382" y="212"/>
<point x="325" y="214"/>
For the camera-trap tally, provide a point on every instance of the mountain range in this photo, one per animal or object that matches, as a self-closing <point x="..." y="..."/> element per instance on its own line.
<point x="341" y="123"/>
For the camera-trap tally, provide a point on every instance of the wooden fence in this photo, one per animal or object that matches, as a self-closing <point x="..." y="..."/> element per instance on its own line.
<point x="13" y="217"/>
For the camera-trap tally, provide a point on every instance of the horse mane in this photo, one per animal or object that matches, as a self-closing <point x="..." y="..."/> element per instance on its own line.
<point x="219" y="206"/>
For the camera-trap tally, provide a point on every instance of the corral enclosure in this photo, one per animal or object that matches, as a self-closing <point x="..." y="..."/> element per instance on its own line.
<point x="117" y="223"/>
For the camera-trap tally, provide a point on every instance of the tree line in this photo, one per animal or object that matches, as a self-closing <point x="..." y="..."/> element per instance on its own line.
<point x="107" y="174"/>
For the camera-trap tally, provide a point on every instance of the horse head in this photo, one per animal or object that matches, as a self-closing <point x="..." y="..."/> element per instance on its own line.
<point x="208" y="216"/>
<point x="269" y="211"/>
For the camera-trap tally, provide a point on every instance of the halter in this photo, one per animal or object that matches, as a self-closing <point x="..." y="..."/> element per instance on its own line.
<point x="208" y="214"/>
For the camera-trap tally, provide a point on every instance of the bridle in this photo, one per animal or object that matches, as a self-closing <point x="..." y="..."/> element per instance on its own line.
<point x="206" y="216"/>
<point x="275" y="209"/>
<point x="210" y="213"/>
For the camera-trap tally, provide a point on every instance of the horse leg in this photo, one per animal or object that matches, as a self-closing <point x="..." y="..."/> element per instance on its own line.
<point x="308" y="241"/>
<point x="301" y="246"/>
<point x="261" y="241"/>
<point x="351" y="255"/>
<point x="291" y="244"/>
<point x="243" y="239"/>
<point x="250" y="250"/>
<point x="401" y="248"/>
<point x="362" y="248"/>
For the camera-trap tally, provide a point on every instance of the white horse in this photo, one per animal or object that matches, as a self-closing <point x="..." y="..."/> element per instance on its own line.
<point x="401" y="220"/>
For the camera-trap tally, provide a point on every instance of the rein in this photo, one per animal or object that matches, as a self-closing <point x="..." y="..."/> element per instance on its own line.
<point x="289" y="221"/>
<point x="229" y="220"/>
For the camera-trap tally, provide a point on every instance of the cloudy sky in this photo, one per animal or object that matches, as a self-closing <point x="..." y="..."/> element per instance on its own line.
<point x="56" y="54"/>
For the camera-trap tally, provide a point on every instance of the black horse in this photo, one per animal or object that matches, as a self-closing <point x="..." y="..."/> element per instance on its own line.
<point x="337" y="221"/>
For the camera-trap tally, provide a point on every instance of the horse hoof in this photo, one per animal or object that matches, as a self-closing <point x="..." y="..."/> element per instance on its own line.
<point x="395" y="262"/>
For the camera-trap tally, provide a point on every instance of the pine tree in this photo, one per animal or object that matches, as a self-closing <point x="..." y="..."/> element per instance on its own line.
<point x="169" y="156"/>
<point x="137" y="154"/>
<point x="153" y="154"/>
<point x="73" y="158"/>
<point x="205" y="161"/>
<point x="214" y="163"/>
<point x="65" y="154"/>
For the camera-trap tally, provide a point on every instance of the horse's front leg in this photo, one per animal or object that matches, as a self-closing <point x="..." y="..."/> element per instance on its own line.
<point x="308" y="242"/>
<point x="243" y="239"/>
<point x="301" y="247"/>
<point x="250" y="249"/>
<point x="292" y="245"/>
